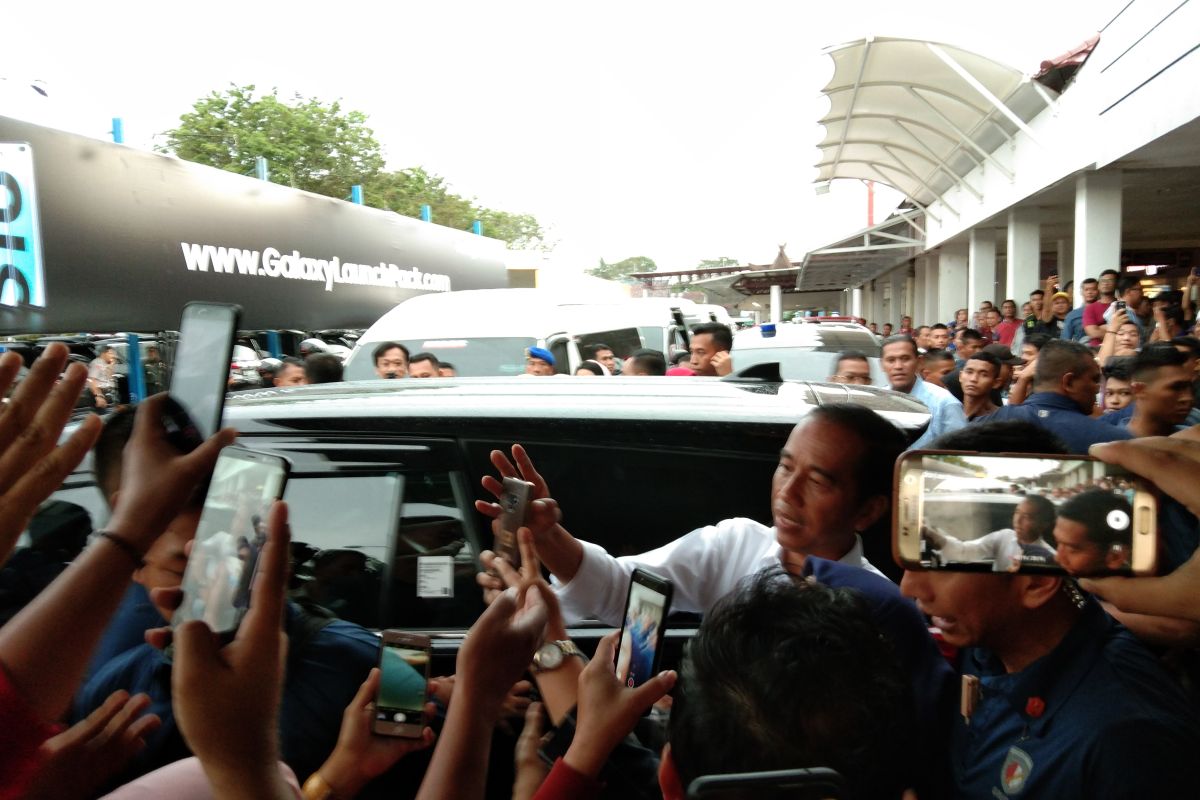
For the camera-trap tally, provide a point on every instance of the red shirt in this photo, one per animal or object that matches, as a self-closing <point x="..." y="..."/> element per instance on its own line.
<point x="21" y="734"/>
<point x="564" y="783"/>
<point x="1093" y="314"/>
<point x="1005" y="331"/>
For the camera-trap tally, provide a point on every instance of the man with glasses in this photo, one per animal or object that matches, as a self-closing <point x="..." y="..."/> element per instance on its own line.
<point x="852" y="367"/>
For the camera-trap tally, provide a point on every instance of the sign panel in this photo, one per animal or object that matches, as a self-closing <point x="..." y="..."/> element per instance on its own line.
<point x="96" y="236"/>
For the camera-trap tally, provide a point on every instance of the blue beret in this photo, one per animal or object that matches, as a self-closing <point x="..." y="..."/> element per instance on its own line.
<point x="542" y="353"/>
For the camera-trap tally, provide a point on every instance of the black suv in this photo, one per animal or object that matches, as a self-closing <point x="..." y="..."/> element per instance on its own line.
<point x="385" y="473"/>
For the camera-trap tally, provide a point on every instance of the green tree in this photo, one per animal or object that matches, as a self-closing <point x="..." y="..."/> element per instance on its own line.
<point x="717" y="263"/>
<point x="307" y="144"/>
<point x="623" y="268"/>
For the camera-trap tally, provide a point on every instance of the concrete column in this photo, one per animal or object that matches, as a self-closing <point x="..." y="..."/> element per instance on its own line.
<point x="981" y="278"/>
<point x="856" y="301"/>
<point x="1024" y="254"/>
<point x="1064" y="250"/>
<point x="899" y="308"/>
<point x="930" y="315"/>
<point x="776" y="303"/>
<point x="918" y="312"/>
<point x="1097" y="223"/>
<point x="952" y="279"/>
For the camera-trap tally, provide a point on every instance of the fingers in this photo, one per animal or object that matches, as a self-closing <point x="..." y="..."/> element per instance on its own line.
<point x="502" y="465"/>
<point x="531" y="735"/>
<point x="529" y="472"/>
<point x="508" y="575"/>
<point x="94" y="723"/>
<point x="1135" y="595"/>
<point x="492" y="510"/>
<point x="265" y="618"/>
<point x="366" y="692"/>
<point x="654" y="689"/>
<point x="10" y="367"/>
<point x="521" y="687"/>
<point x="128" y="713"/>
<point x="196" y="656"/>
<point x="41" y="418"/>
<point x="159" y="638"/>
<point x="32" y="392"/>
<point x="606" y="648"/>
<point x="1173" y="462"/>
<point x="530" y="566"/>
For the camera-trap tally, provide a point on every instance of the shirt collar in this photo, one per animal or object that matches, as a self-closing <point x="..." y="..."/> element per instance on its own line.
<point x="1053" y="400"/>
<point x="774" y="556"/>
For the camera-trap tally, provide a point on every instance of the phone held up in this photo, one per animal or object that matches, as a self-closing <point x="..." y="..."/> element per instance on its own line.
<point x="1069" y="515"/>
<point x="640" y="647"/>
<point x="229" y="537"/>
<point x="200" y="373"/>
<point x="403" y="680"/>
<point x="514" y="504"/>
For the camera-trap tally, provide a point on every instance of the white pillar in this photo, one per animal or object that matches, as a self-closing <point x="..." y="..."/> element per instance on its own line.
<point x="981" y="280"/>
<point x="856" y="301"/>
<point x="776" y="303"/>
<point x="1097" y="223"/>
<point x="1024" y="253"/>
<point x="1064" y="264"/>
<point x="918" y="312"/>
<point x="899" y="278"/>
<point x="952" y="279"/>
<point x="931" y="316"/>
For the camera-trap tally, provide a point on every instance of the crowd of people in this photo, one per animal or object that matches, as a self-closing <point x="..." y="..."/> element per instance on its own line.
<point x="947" y="684"/>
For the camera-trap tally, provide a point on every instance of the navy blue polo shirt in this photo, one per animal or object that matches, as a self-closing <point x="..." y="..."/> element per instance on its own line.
<point x="1060" y="416"/>
<point x="1095" y="717"/>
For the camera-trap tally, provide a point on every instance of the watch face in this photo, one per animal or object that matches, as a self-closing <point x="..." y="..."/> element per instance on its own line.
<point x="549" y="656"/>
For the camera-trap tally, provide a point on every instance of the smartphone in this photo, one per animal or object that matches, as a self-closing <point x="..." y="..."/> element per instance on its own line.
<point x="1119" y="305"/>
<point x="22" y="272"/>
<point x="403" y="682"/>
<point x="200" y="373"/>
<point x="646" y="610"/>
<point x="816" y="783"/>
<point x="1071" y="515"/>
<point x="514" y="503"/>
<point x="229" y="537"/>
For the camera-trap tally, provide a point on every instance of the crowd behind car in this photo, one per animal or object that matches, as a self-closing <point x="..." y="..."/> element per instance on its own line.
<point x="950" y="684"/>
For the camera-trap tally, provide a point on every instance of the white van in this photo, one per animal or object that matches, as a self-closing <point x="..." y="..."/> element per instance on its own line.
<point x="485" y="332"/>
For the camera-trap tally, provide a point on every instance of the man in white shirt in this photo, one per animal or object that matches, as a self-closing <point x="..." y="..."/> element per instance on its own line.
<point x="1025" y="542"/>
<point x="900" y="363"/>
<point x="833" y="480"/>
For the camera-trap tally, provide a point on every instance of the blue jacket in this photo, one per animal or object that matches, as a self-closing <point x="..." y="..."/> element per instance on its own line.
<point x="1060" y="416"/>
<point x="1072" y="327"/>
<point x="1095" y="717"/>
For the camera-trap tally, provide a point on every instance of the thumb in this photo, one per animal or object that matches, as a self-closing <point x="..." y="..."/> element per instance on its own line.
<point x="1119" y="591"/>
<point x="653" y="690"/>
<point x="196" y="652"/>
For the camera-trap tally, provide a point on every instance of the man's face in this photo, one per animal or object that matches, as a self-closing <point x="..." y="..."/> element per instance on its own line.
<point x="1128" y="337"/>
<point x="1107" y="284"/>
<point x="1091" y="292"/>
<point x="1075" y="552"/>
<point x="608" y="358"/>
<point x="1009" y="309"/>
<point x="992" y="318"/>
<point x="977" y="378"/>
<point x="108" y="356"/>
<point x="887" y="329"/>
<point x="934" y="372"/>
<point x="1117" y="394"/>
<point x="1168" y="396"/>
<point x="1133" y="296"/>
<point x="968" y="347"/>
<point x="939" y="338"/>
<point x="1025" y="522"/>
<point x="391" y="364"/>
<point x="1192" y="363"/>
<point x="906" y="322"/>
<point x="537" y="366"/>
<point x="1028" y="353"/>
<point x="922" y="337"/>
<point x="1084" y="384"/>
<point x="447" y="372"/>
<point x="960" y="317"/>
<point x="422" y="369"/>
<point x="871" y="327"/>
<point x="290" y="375"/>
<point x="814" y="493"/>
<point x="900" y="365"/>
<point x="971" y="609"/>
<point x="702" y="350"/>
<point x="852" y="370"/>
<point x="1035" y="302"/>
<point x="166" y="559"/>
<point x="1060" y="306"/>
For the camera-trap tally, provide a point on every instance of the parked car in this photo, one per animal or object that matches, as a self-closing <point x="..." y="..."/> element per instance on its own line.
<point x="805" y="351"/>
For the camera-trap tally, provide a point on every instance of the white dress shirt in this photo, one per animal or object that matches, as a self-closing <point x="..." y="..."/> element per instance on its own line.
<point x="1000" y="547"/>
<point x="705" y="565"/>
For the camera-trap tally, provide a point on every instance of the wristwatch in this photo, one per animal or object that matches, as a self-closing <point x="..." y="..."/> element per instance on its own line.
<point x="550" y="655"/>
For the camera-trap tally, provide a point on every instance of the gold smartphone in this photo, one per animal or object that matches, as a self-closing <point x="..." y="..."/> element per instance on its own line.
<point x="984" y="512"/>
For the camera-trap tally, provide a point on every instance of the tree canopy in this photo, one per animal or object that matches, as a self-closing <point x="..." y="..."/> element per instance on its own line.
<point x="623" y="268"/>
<point x="324" y="149"/>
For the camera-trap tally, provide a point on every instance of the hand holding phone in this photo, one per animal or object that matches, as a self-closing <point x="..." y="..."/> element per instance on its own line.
<point x="514" y="504"/>
<point x="200" y="373"/>
<point x="646" y="608"/>
<point x="977" y="512"/>
<point x="404" y="660"/>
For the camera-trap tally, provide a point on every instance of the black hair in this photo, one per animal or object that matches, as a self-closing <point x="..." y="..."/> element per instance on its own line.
<point x="430" y="357"/>
<point x="971" y="335"/>
<point x="1093" y="510"/>
<point x="987" y="358"/>
<point x="1043" y="513"/>
<point x="384" y="347"/>
<point x="682" y="355"/>
<point x="935" y="355"/>
<point x="1037" y="293"/>
<point x="593" y="367"/>
<point x="322" y="368"/>
<point x="651" y="362"/>
<point x="590" y="351"/>
<point x="1190" y="342"/>
<point x="1156" y="355"/>
<point x="1005" y="436"/>
<point x="1059" y="357"/>
<point x="852" y="355"/>
<point x="1037" y="340"/>
<point x="900" y="338"/>
<point x="882" y="443"/>
<point x="792" y="674"/>
<point x="939" y="326"/>
<point x="290" y="360"/>
<point x="1088" y="280"/>
<point x="922" y="328"/>
<point x="1119" y="368"/>
<point x="1109" y="271"/>
<point x="1126" y="283"/>
<point x="722" y="336"/>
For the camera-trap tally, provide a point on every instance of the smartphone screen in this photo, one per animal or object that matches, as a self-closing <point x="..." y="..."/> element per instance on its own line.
<point x="1006" y="513"/>
<point x="642" y="632"/>
<point x="200" y="374"/>
<point x="403" y="678"/>
<point x="231" y="533"/>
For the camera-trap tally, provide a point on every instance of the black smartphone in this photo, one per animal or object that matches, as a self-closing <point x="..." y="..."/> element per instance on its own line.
<point x="816" y="783"/>
<point x="1119" y="305"/>
<point x="646" y="609"/>
<point x="229" y="537"/>
<point x="200" y="372"/>
<point x="403" y="683"/>
<point x="984" y="512"/>
<point x="514" y="503"/>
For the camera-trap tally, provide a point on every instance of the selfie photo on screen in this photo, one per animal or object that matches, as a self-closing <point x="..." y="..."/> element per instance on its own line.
<point x="1008" y="514"/>
<point x="640" y="634"/>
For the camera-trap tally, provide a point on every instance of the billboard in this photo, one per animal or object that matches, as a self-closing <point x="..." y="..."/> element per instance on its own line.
<point x="96" y="236"/>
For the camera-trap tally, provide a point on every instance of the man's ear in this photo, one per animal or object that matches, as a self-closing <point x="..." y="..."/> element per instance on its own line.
<point x="668" y="777"/>
<point x="1137" y="387"/>
<point x="1036" y="591"/>
<point x="870" y="513"/>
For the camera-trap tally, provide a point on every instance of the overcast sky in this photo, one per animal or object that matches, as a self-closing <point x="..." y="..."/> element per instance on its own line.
<point x="675" y="130"/>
